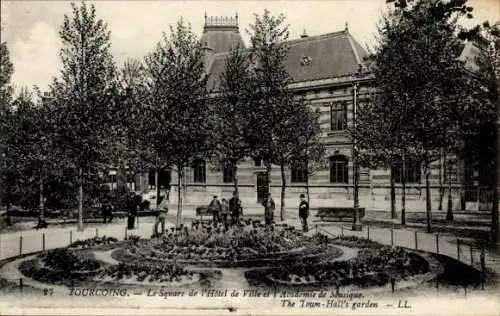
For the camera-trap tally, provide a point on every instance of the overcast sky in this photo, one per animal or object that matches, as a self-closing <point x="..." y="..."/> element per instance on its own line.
<point x="30" y="28"/>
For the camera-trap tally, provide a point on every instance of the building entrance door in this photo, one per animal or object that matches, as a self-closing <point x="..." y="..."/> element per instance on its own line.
<point x="262" y="186"/>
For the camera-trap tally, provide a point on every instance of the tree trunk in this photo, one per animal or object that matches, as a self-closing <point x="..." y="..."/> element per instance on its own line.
<point x="180" y="177"/>
<point x="141" y="182"/>
<point x="449" y="212"/>
<point x="80" y="200"/>
<point x="157" y="185"/>
<point x="393" y="194"/>
<point x="121" y="183"/>
<point x="403" y="194"/>
<point x="268" y="180"/>
<point x="307" y="190"/>
<point x="41" y="202"/>
<point x="268" y="177"/>
<point x="442" y="163"/>
<point x="8" y="220"/>
<point x="463" y="185"/>
<point x="283" y="188"/>
<point x="495" y="228"/>
<point x="235" y="179"/>
<point x="428" y="205"/>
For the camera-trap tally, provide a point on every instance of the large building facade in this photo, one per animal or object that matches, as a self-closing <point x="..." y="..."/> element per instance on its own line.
<point x="325" y="69"/>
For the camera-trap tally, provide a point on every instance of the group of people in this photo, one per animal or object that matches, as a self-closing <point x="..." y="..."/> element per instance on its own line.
<point x="270" y="206"/>
<point x="133" y="204"/>
<point x="222" y="211"/>
<point x="229" y="212"/>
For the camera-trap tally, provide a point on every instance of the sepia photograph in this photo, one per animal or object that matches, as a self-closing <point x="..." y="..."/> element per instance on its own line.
<point x="249" y="157"/>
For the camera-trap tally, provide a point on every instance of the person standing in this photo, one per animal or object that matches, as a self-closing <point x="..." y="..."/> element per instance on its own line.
<point x="106" y="211"/>
<point x="225" y="212"/>
<point x="111" y="211"/>
<point x="132" y="208"/>
<point x="304" y="212"/>
<point x="215" y="208"/>
<point x="269" y="207"/>
<point x="162" y="210"/>
<point x="235" y="208"/>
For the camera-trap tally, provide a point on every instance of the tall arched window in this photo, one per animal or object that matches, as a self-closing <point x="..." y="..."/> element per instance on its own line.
<point x="338" y="169"/>
<point x="199" y="171"/>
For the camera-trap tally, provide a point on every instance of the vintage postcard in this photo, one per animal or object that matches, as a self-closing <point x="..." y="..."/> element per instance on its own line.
<point x="250" y="157"/>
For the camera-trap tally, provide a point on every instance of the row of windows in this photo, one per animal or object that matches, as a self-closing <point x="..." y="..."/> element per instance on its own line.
<point x="339" y="172"/>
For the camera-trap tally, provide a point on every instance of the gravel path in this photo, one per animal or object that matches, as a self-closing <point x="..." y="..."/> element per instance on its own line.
<point x="105" y="256"/>
<point x="234" y="278"/>
<point x="10" y="271"/>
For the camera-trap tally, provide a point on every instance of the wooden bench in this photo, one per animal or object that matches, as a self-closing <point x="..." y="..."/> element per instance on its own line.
<point x="203" y="211"/>
<point x="339" y="213"/>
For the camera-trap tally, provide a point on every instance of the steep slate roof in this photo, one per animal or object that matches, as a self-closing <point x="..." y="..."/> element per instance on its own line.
<point x="329" y="55"/>
<point x="222" y="38"/>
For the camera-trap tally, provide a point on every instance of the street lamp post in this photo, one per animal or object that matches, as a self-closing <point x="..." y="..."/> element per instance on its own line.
<point x="356" y="224"/>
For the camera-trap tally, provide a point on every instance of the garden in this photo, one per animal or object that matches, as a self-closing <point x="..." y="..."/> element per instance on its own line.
<point x="204" y="256"/>
<point x="374" y="265"/>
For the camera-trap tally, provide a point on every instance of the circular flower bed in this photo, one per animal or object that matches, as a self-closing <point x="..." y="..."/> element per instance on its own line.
<point x="375" y="265"/>
<point x="61" y="266"/>
<point x="247" y="246"/>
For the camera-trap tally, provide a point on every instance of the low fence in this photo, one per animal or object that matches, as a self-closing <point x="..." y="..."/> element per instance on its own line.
<point x="455" y="248"/>
<point x="70" y="215"/>
<point x="33" y="241"/>
<point x="12" y="245"/>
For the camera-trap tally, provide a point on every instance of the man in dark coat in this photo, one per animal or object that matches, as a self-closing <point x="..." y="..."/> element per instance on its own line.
<point x="269" y="207"/>
<point x="106" y="211"/>
<point x="132" y="208"/>
<point x="215" y="208"/>
<point x="304" y="212"/>
<point x="235" y="208"/>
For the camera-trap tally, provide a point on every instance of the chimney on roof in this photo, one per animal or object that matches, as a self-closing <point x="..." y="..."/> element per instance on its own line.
<point x="346" y="26"/>
<point x="304" y="34"/>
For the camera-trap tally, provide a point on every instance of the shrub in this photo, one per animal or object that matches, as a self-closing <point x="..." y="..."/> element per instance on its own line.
<point x="141" y="270"/>
<point x="91" y="242"/>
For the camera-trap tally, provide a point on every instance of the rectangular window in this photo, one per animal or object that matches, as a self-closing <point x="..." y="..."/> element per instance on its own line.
<point x="299" y="175"/>
<point x="339" y="169"/>
<point x="228" y="172"/>
<point x="338" y="116"/>
<point x="411" y="171"/>
<point x="199" y="172"/>
<point x="258" y="161"/>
